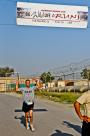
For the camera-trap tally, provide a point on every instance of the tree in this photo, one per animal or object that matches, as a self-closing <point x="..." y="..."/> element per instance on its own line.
<point x="46" y="77"/>
<point x="6" y="71"/>
<point x="85" y="74"/>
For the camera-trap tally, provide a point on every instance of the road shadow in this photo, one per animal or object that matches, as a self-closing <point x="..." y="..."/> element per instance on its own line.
<point x="21" y="119"/>
<point x="18" y="110"/>
<point x="75" y="127"/>
<point x="35" y="110"/>
<point x="59" y="133"/>
<point x="40" y="110"/>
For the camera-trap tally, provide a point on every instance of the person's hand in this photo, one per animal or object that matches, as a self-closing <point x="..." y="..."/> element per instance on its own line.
<point x="84" y="118"/>
<point x="35" y="84"/>
<point x="88" y="118"/>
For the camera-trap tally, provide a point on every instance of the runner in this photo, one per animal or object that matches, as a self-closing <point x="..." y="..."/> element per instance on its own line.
<point x="28" y="104"/>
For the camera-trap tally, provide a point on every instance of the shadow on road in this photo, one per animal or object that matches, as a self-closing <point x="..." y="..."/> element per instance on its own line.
<point x="75" y="127"/>
<point x="40" y="110"/>
<point x="59" y="133"/>
<point x="35" y="110"/>
<point x="22" y="119"/>
<point x="18" y="110"/>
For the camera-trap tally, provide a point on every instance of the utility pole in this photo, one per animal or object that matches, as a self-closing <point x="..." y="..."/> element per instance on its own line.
<point x="88" y="75"/>
<point x="71" y="69"/>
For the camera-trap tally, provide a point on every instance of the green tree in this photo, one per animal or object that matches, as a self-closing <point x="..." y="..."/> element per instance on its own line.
<point x="6" y="71"/>
<point x="85" y="74"/>
<point x="46" y="77"/>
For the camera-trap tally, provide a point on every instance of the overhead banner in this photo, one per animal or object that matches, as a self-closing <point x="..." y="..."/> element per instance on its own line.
<point x="37" y="14"/>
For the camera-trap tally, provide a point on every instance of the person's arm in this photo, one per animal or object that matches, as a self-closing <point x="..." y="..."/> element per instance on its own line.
<point x="19" y="89"/>
<point x="35" y="86"/>
<point x="77" y="109"/>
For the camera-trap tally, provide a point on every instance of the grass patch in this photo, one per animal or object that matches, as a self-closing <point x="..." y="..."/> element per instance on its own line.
<point x="64" y="97"/>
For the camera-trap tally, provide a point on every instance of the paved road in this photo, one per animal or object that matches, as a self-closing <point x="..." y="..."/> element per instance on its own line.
<point x="50" y="119"/>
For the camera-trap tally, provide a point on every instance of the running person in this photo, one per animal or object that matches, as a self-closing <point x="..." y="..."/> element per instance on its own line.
<point x="28" y="104"/>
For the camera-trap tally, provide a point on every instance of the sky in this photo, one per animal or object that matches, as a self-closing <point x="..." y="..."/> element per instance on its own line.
<point x="32" y="49"/>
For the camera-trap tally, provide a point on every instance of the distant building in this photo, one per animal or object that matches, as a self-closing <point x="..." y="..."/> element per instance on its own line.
<point x="12" y="83"/>
<point x="81" y="82"/>
<point x="61" y="83"/>
<point x="52" y="84"/>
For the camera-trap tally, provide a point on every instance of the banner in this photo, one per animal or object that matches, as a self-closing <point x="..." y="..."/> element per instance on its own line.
<point x="37" y="14"/>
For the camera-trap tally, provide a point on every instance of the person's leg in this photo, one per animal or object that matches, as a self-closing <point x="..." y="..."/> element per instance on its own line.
<point x="26" y="119"/>
<point x="31" y="116"/>
<point x="84" y="129"/>
<point x="31" y="120"/>
<point x="88" y="129"/>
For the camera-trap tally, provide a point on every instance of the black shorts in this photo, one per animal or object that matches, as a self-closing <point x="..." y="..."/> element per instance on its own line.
<point x="86" y="129"/>
<point x="26" y="107"/>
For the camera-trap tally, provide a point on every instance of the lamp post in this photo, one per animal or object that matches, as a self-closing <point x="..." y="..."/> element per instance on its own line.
<point x="7" y="78"/>
<point x="71" y="69"/>
<point x="64" y="79"/>
<point x="45" y="81"/>
<point x="88" y="75"/>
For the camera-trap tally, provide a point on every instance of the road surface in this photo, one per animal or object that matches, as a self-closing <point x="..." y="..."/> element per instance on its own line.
<point x="50" y="119"/>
